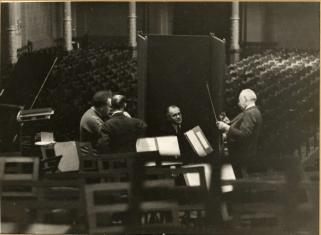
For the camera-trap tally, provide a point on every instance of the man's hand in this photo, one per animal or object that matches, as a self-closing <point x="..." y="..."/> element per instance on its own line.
<point x="222" y="126"/>
<point x="224" y="118"/>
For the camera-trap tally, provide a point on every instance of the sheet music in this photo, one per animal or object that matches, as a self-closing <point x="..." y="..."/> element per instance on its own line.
<point x="69" y="153"/>
<point x="45" y="138"/>
<point x="168" y="146"/>
<point x="227" y="173"/>
<point x="146" y="145"/>
<point x="202" y="139"/>
<point x="196" y="145"/>
<point x="193" y="179"/>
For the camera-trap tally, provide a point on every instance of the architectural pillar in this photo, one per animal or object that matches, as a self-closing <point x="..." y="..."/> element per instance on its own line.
<point x="235" y="30"/>
<point x="132" y="24"/>
<point x="67" y="26"/>
<point x="14" y="31"/>
<point x="160" y="18"/>
<point x="132" y="27"/>
<point x="166" y="21"/>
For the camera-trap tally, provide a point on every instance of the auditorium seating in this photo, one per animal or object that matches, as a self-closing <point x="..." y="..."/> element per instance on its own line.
<point x="268" y="201"/>
<point x="286" y="82"/>
<point x="287" y="85"/>
<point x="78" y="75"/>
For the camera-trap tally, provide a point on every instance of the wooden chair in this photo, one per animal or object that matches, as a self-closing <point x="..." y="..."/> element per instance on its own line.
<point x="48" y="161"/>
<point x="107" y="207"/>
<point x="123" y="207"/>
<point x="55" y="202"/>
<point x="190" y="198"/>
<point x="19" y="168"/>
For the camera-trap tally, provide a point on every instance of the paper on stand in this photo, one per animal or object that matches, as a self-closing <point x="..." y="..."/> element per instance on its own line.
<point x="45" y="138"/>
<point x="69" y="153"/>
<point x="146" y="145"/>
<point x="168" y="146"/>
<point x="198" y="148"/>
<point x="227" y="173"/>
<point x="174" y="163"/>
<point x="193" y="179"/>
<point x="198" y="141"/>
<point x="202" y="139"/>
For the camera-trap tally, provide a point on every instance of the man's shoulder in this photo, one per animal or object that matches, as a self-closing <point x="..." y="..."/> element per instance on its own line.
<point x="86" y="115"/>
<point x="253" y="112"/>
<point x="122" y="118"/>
<point x="167" y="129"/>
<point x="124" y="122"/>
<point x="90" y="116"/>
<point x="137" y="120"/>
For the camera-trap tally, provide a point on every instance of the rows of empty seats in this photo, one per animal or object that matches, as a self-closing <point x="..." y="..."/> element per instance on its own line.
<point x="287" y="85"/>
<point x="79" y="74"/>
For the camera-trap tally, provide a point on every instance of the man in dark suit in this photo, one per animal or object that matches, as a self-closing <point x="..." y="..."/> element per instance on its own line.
<point x="243" y="132"/>
<point x="174" y="126"/>
<point x="120" y="132"/>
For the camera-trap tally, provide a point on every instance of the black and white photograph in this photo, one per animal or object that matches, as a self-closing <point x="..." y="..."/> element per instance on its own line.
<point x="159" y="118"/>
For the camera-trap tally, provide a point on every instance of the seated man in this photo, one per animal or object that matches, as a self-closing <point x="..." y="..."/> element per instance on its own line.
<point x="120" y="132"/>
<point x="174" y="126"/>
<point x="93" y="119"/>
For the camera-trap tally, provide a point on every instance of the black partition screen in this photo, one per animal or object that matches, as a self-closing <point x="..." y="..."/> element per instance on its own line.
<point x="175" y="70"/>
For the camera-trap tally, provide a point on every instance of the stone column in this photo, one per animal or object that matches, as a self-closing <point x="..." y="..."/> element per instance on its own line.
<point x="67" y="26"/>
<point x="235" y="29"/>
<point x="160" y="18"/>
<point x="14" y="31"/>
<point x="132" y="24"/>
<point x="132" y="27"/>
<point x="166" y="27"/>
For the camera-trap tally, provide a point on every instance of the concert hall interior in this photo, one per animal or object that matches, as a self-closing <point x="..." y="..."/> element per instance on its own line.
<point x="160" y="117"/>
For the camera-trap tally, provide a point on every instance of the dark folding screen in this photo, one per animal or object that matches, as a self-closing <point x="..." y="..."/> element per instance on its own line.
<point x="175" y="70"/>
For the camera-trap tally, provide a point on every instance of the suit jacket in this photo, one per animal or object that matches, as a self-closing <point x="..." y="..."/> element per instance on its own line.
<point x="90" y="125"/>
<point x="120" y="133"/>
<point x="187" y="153"/>
<point x="244" y="133"/>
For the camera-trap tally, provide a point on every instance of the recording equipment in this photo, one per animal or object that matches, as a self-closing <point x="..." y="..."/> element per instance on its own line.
<point x="33" y="121"/>
<point x="34" y="114"/>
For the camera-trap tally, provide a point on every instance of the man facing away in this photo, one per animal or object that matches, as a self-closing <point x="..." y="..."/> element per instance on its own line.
<point x="93" y="119"/>
<point x="243" y="131"/>
<point x="120" y="132"/>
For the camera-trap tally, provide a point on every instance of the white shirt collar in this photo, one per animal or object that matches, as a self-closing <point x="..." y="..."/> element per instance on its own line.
<point x="117" y="111"/>
<point x="250" y="106"/>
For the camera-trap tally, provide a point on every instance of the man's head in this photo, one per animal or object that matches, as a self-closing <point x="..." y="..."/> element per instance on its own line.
<point x="118" y="103"/>
<point x="174" y="115"/>
<point x="247" y="97"/>
<point x="102" y="102"/>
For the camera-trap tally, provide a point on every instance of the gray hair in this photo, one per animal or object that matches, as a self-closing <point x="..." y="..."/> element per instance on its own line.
<point x="248" y="94"/>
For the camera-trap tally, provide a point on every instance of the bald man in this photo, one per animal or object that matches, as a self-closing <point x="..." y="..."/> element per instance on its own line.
<point x="243" y="131"/>
<point x="174" y="126"/>
<point x="120" y="132"/>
